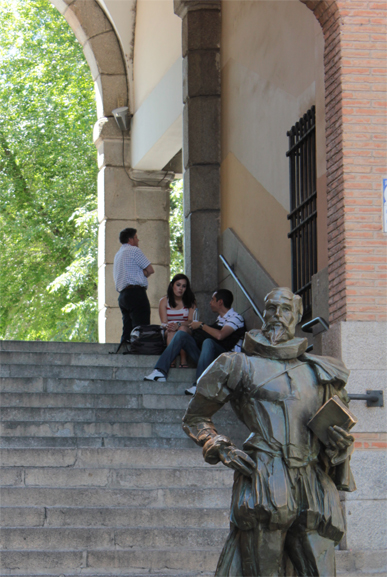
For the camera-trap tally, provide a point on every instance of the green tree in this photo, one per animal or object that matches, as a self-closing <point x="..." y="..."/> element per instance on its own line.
<point x="176" y="226"/>
<point x="48" y="175"/>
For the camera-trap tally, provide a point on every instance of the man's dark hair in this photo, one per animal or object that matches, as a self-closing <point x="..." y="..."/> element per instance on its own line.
<point x="126" y="234"/>
<point x="226" y="296"/>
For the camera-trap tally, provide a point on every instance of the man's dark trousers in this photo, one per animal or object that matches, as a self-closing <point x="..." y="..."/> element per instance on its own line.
<point x="135" y="308"/>
<point x="211" y="350"/>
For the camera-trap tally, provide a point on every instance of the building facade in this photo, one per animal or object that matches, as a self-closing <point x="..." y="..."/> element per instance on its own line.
<point x="245" y="97"/>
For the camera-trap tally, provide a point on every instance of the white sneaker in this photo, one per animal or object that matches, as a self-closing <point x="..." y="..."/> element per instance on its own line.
<point x="191" y="390"/>
<point x="156" y="376"/>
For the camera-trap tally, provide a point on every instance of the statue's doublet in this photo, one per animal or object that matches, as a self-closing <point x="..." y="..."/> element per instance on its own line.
<point x="276" y="398"/>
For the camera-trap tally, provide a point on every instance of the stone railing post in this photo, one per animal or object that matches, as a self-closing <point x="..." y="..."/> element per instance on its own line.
<point x="128" y="198"/>
<point x="201" y="30"/>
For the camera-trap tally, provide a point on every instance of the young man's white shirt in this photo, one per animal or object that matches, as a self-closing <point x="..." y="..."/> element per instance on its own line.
<point x="235" y="321"/>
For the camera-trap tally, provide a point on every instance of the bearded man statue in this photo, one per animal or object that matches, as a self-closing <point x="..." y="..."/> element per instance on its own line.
<point x="285" y="503"/>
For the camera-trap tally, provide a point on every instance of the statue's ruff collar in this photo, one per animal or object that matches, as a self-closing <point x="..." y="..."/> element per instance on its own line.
<point x="256" y="343"/>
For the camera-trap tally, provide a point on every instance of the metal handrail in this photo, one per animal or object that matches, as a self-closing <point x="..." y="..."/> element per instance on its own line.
<point x="234" y="276"/>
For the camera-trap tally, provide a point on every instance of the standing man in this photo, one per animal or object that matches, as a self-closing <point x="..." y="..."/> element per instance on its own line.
<point x="225" y="335"/>
<point x="131" y="270"/>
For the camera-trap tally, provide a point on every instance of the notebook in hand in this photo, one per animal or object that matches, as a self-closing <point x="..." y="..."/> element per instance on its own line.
<point x="333" y="412"/>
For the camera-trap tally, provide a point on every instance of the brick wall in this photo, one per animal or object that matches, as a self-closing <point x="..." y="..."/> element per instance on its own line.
<point x="355" y="100"/>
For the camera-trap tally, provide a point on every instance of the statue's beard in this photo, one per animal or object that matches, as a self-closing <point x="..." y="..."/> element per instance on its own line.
<point x="277" y="333"/>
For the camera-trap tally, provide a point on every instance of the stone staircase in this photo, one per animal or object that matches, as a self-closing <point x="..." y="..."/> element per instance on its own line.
<point x="97" y="475"/>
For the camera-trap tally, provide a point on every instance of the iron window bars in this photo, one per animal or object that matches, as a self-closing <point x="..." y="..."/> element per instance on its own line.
<point x="303" y="210"/>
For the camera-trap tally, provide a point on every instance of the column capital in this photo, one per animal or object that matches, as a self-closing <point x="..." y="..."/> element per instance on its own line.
<point x="181" y="7"/>
<point x="106" y="128"/>
<point x="151" y="178"/>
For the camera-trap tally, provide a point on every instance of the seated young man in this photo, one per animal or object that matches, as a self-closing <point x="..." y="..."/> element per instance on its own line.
<point x="225" y="335"/>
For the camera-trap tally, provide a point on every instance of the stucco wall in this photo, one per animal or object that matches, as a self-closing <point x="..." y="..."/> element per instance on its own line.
<point x="272" y="73"/>
<point x="157" y="45"/>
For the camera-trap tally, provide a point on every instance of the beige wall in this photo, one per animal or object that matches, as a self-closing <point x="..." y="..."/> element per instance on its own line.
<point x="272" y="73"/>
<point x="157" y="45"/>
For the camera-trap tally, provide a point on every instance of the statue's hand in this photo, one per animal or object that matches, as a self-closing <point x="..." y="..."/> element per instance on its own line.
<point x="340" y="445"/>
<point x="237" y="459"/>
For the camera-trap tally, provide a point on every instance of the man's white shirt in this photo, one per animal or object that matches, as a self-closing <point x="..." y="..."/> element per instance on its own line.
<point x="235" y="321"/>
<point x="128" y="268"/>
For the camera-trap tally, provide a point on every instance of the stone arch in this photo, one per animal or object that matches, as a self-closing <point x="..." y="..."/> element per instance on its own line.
<point x="102" y="51"/>
<point x="328" y="15"/>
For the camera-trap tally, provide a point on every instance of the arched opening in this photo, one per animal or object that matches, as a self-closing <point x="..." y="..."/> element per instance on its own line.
<point x="48" y="179"/>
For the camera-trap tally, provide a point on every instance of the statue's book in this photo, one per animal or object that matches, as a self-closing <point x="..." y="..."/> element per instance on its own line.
<point x="333" y="412"/>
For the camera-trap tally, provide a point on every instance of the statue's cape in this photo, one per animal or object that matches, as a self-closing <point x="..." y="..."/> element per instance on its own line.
<point x="328" y="370"/>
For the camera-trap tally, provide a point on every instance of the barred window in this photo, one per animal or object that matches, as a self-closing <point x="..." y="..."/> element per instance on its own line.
<point x="303" y="211"/>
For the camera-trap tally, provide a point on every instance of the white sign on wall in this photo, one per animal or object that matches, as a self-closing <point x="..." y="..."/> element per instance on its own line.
<point x="384" y="204"/>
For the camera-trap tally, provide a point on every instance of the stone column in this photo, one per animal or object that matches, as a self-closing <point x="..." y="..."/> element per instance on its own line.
<point x="128" y="198"/>
<point x="201" y="30"/>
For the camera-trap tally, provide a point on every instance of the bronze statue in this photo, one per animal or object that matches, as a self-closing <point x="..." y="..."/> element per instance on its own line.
<point x="285" y="504"/>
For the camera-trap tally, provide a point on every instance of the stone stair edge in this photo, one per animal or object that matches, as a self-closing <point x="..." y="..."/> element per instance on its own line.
<point x="109" y="373"/>
<point x="93" y="442"/>
<point x="55" y="346"/>
<point x="75" y="457"/>
<point x="79" y="359"/>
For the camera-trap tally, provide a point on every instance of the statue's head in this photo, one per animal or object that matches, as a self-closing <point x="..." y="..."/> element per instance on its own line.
<point x="283" y="311"/>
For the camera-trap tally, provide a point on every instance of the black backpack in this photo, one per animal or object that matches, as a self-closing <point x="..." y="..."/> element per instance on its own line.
<point x="147" y="340"/>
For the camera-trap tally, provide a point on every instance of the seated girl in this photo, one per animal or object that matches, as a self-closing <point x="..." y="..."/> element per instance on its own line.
<point x="177" y="310"/>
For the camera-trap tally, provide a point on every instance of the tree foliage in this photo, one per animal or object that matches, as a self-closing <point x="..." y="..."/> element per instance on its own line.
<point x="48" y="176"/>
<point x="176" y="225"/>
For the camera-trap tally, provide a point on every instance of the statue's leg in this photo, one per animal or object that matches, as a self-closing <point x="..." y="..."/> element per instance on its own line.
<point x="255" y="553"/>
<point x="311" y="554"/>
<point x="229" y="564"/>
<point x="262" y="552"/>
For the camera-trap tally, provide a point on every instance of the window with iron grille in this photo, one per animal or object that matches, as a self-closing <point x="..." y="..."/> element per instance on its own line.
<point x="303" y="211"/>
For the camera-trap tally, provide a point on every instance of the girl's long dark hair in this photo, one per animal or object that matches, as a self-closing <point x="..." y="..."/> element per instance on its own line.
<point x="188" y="296"/>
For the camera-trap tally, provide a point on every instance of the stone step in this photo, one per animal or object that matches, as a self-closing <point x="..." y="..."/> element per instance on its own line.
<point x="115" y="478"/>
<point x="81" y="415"/>
<point x="114" y="517"/>
<point x="97" y="442"/>
<point x="102" y="497"/>
<point x="105" y="373"/>
<point x="105" y="457"/>
<point x="78" y="359"/>
<point x="94" y="386"/>
<point x="136" y="562"/>
<point x="132" y="561"/>
<point x="109" y="424"/>
<point x="51" y="538"/>
<point x="57" y="347"/>
<point x="93" y="429"/>
<point x="106" y="401"/>
<point x="111" y="573"/>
